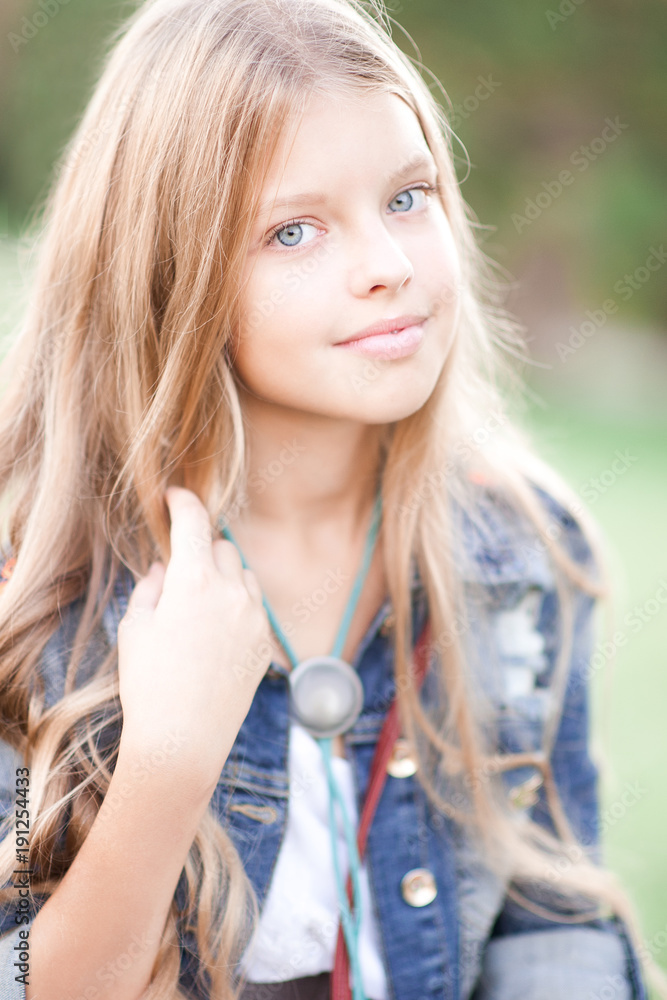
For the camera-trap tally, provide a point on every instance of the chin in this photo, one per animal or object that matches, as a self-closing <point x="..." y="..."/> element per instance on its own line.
<point x="389" y="399"/>
<point x="388" y="408"/>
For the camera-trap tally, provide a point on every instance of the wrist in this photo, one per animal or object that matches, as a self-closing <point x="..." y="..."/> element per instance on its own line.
<point x="172" y="759"/>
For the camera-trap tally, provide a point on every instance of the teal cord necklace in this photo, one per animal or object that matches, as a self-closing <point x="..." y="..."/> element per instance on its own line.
<point x="326" y="697"/>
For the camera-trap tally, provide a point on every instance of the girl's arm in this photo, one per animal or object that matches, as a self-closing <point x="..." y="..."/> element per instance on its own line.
<point x="192" y="649"/>
<point x="114" y="900"/>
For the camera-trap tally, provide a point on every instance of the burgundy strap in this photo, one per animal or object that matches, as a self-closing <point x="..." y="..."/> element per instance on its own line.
<point x="340" y="978"/>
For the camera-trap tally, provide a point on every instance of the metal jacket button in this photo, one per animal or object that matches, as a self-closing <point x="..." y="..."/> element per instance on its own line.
<point x="401" y="764"/>
<point x="418" y="887"/>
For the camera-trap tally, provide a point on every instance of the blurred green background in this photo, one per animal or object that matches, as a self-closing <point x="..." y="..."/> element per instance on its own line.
<point x="558" y="108"/>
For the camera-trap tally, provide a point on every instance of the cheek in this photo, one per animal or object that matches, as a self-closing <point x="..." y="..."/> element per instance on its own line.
<point x="283" y="308"/>
<point x="443" y="269"/>
<point x="284" y="301"/>
<point x="262" y="311"/>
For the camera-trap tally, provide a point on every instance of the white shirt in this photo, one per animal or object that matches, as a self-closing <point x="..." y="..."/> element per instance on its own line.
<point x="297" y="932"/>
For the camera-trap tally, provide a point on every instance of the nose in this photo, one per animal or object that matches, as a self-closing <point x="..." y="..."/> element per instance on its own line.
<point x="378" y="261"/>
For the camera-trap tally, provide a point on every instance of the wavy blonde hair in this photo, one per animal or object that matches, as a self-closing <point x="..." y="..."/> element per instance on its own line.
<point x="105" y="402"/>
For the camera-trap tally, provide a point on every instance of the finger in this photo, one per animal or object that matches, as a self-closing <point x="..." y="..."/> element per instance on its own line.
<point x="145" y="594"/>
<point x="191" y="533"/>
<point x="252" y="584"/>
<point x="226" y="557"/>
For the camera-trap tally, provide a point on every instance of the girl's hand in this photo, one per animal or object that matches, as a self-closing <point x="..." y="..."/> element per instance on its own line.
<point x="192" y="647"/>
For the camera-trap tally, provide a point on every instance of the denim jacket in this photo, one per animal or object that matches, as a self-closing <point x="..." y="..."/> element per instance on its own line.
<point x="470" y="941"/>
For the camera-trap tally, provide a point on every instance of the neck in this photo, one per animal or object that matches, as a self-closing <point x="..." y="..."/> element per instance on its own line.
<point x="306" y="470"/>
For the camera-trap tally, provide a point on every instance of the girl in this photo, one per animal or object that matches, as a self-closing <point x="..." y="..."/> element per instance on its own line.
<point x="260" y="306"/>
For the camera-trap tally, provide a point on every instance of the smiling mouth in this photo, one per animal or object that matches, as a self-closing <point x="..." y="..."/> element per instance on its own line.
<point x="391" y="326"/>
<point x="392" y="345"/>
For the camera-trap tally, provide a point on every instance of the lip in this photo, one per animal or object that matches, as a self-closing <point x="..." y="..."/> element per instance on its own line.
<point x="389" y="339"/>
<point x="395" y="323"/>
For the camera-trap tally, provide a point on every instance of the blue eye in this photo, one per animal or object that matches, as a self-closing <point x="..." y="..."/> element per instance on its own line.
<point x="406" y="198"/>
<point x="293" y="231"/>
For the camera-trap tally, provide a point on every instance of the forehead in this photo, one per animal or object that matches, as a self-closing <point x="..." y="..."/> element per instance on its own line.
<point x="345" y="139"/>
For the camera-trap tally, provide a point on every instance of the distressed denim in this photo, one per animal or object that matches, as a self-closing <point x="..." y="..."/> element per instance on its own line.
<point x="472" y="942"/>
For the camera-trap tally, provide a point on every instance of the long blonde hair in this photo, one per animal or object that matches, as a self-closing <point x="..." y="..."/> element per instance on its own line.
<point x="105" y="401"/>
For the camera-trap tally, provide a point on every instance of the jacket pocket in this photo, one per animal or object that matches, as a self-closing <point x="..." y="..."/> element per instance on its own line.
<point x="256" y="793"/>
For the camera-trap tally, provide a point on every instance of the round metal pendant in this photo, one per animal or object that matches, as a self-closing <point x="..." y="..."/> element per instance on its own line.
<point x="326" y="695"/>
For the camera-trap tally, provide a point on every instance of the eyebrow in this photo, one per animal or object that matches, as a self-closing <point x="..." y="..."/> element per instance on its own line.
<point x="417" y="162"/>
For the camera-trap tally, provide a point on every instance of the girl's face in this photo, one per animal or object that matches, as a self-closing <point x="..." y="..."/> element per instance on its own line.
<point x="349" y="234"/>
